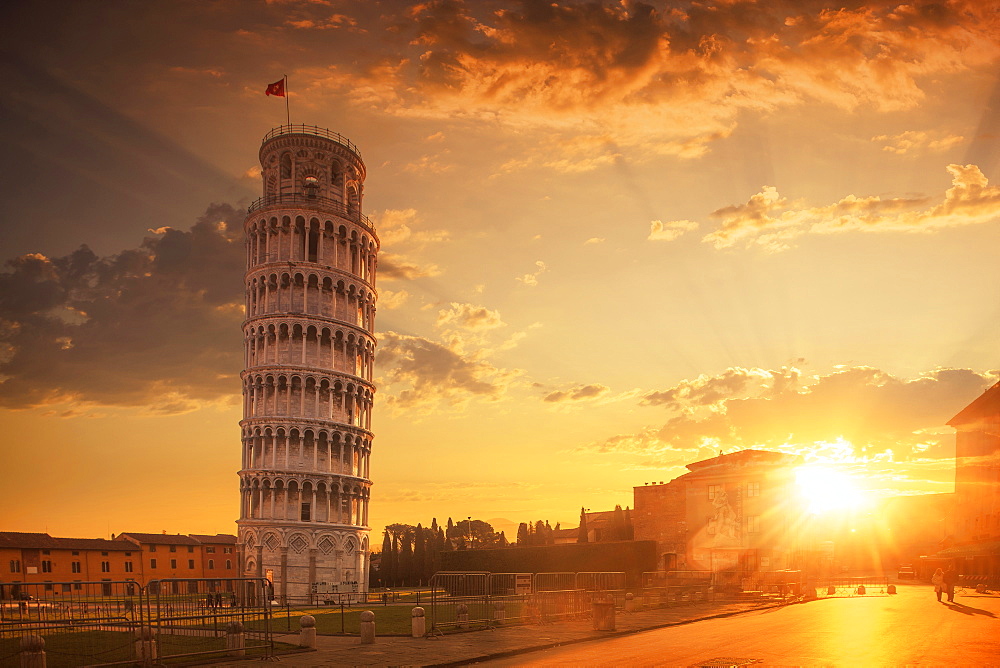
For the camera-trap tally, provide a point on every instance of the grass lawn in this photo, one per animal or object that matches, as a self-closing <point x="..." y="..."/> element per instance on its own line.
<point x="389" y="620"/>
<point x="89" y="647"/>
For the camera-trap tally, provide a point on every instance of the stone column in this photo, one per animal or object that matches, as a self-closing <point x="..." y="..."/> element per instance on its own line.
<point x="284" y="573"/>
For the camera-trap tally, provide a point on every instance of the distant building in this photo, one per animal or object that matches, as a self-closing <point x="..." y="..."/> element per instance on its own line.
<point x="60" y="563"/>
<point x="178" y="556"/>
<point x="732" y="511"/>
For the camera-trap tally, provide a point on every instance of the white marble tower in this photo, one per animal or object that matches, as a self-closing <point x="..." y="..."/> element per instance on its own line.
<point x="307" y="384"/>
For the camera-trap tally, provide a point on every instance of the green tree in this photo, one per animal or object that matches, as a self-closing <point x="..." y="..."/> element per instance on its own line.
<point x="581" y="534"/>
<point x="629" y="528"/>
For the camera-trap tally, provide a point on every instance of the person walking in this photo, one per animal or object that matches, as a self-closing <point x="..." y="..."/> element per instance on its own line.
<point x="938" y="581"/>
<point x="950" y="580"/>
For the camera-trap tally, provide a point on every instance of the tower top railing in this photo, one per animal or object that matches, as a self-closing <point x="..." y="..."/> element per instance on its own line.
<point x="308" y="201"/>
<point x="313" y="130"/>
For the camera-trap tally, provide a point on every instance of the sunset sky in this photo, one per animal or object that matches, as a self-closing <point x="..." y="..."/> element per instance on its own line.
<point x="617" y="238"/>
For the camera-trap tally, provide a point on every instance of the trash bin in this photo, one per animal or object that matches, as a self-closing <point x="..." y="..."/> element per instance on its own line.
<point x="604" y="614"/>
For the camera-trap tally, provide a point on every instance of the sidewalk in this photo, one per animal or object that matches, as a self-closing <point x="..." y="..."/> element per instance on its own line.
<point x="464" y="648"/>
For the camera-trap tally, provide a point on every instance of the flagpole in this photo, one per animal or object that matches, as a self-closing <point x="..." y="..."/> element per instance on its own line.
<point x="288" y="117"/>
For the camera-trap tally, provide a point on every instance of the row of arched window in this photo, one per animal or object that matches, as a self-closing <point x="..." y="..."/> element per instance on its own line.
<point x="293" y="500"/>
<point x="317" y="451"/>
<point x="324" y="243"/>
<point x="297" y="343"/>
<point x="307" y="396"/>
<point x="311" y="294"/>
<point x="289" y="171"/>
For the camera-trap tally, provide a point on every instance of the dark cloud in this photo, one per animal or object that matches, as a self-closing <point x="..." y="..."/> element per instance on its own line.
<point x="156" y="326"/>
<point x="429" y="372"/>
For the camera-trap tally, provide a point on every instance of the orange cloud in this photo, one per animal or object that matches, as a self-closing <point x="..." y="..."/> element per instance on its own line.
<point x="849" y="414"/>
<point x="771" y="222"/>
<point x="662" y="81"/>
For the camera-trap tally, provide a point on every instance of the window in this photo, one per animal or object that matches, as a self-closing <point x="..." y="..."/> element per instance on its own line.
<point x="75" y="567"/>
<point x="104" y="554"/>
<point x="229" y="564"/>
<point x="105" y="566"/>
<point x="128" y="554"/>
<point x="209" y="550"/>
<point x="76" y="553"/>
<point x="15" y="565"/>
<point x="128" y="566"/>
<point x="227" y="550"/>
<point x="173" y="563"/>
<point x="753" y="489"/>
<point x="66" y="588"/>
<point x="753" y="523"/>
<point x="173" y="548"/>
<point x="152" y="563"/>
<point x="211" y="564"/>
<point x="190" y="549"/>
<point x="714" y="490"/>
<point x="152" y="548"/>
<point x="45" y="551"/>
<point x="48" y="585"/>
<point x="46" y="566"/>
<point x="191" y="564"/>
<point x="77" y="586"/>
<point x="305" y="512"/>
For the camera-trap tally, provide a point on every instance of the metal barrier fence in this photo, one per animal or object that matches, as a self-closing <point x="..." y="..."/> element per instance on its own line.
<point x="467" y="599"/>
<point x="873" y="586"/>
<point x="667" y="587"/>
<point x="110" y="623"/>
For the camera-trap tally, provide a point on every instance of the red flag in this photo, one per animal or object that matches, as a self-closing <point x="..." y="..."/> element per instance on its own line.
<point x="277" y="88"/>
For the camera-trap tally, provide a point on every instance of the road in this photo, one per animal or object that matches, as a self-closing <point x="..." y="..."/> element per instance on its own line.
<point x="909" y="628"/>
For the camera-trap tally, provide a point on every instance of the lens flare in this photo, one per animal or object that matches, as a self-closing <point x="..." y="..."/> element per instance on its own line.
<point x="826" y="490"/>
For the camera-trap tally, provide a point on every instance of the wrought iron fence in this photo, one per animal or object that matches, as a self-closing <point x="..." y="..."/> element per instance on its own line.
<point x="120" y="622"/>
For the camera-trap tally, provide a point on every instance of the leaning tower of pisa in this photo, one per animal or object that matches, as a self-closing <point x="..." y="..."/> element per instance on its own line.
<point x="307" y="384"/>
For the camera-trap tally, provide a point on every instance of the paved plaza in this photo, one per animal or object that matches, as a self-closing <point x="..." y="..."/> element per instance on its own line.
<point x="479" y="645"/>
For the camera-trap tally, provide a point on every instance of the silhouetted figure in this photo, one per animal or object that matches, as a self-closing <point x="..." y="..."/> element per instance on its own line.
<point x="938" y="581"/>
<point x="950" y="580"/>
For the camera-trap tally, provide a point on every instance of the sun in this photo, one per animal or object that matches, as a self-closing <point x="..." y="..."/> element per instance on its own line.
<point x="825" y="490"/>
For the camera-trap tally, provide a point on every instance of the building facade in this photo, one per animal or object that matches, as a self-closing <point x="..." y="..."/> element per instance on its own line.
<point x="975" y="523"/>
<point x="63" y="564"/>
<point x="307" y="384"/>
<point x="736" y="511"/>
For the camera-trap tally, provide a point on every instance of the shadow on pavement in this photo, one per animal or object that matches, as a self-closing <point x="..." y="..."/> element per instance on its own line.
<point x="968" y="610"/>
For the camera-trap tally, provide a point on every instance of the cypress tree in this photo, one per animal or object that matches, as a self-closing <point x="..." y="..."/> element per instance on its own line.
<point x="385" y="565"/>
<point x="419" y="556"/>
<point x="618" y="524"/>
<point x="581" y="534"/>
<point x="406" y="560"/>
<point x="629" y="528"/>
<point x="522" y="534"/>
<point x="394" y="560"/>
